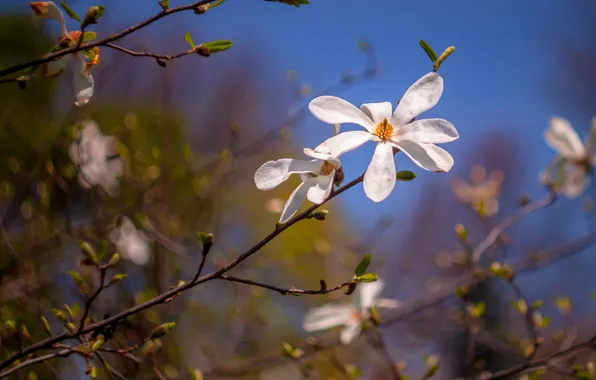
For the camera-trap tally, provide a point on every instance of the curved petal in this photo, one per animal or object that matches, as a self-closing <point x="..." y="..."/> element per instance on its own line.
<point x="420" y="97"/>
<point x="575" y="183"/>
<point x="388" y="303"/>
<point x="295" y="201"/>
<point x="49" y="10"/>
<point x="433" y="131"/>
<point x="347" y="141"/>
<point x="379" y="179"/>
<point x="562" y="137"/>
<point x="368" y="293"/>
<point x="321" y="188"/>
<point x="55" y="68"/>
<point x="377" y="111"/>
<point x="272" y="173"/>
<point x="427" y="156"/>
<point x="334" y="110"/>
<point x="327" y="316"/>
<point x="317" y="153"/>
<point x="83" y="84"/>
<point x="349" y="332"/>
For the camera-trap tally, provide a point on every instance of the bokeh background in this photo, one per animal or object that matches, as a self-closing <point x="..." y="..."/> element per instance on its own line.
<point x="191" y="138"/>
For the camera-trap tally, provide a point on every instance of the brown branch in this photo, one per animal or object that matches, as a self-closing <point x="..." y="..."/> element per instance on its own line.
<point x="175" y="291"/>
<point x="116" y="36"/>
<point x="166" y="57"/>
<point x="284" y="291"/>
<point x="508" y="222"/>
<point x="100" y="288"/>
<point x="39" y="359"/>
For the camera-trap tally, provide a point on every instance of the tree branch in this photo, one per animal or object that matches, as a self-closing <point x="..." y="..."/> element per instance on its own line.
<point x="284" y="291"/>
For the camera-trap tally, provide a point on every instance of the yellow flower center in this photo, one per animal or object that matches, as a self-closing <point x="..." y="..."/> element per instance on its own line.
<point x="384" y="130"/>
<point x="327" y="168"/>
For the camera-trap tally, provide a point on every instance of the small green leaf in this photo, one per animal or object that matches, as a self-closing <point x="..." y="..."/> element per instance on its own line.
<point x="367" y="277"/>
<point x="363" y="265"/>
<point x="164" y="4"/>
<point x="89" y="36"/>
<point x="353" y="372"/>
<point x="119" y="277"/>
<point x="405" y="175"/>
<point x="429" y="51"/>
<point x="188" y="38"/>
<point x="76" y="276"/>
<point x="443" y="57"/>
<point x="215" y="3"/>
<point x="92" y="15"/>
<point x="217" y="46"/>
<point x="70" y="12"/>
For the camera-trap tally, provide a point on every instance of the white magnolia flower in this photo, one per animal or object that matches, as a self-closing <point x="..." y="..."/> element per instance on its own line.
<point x="131" y="243"/>
<point x="83" y="80"/>
<point x="318" y="177"/>
<point x="349" y="315"/>
<point x="93" y="154"/>
<point x="482" y="192"/>
<point x="573" y="165"/>
<point x="416" y="139"/>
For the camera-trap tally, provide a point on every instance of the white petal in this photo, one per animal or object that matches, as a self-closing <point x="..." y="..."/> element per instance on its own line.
<point x="562" y="137"/>
<point x="295" y="201"/>
<point x="318" y="153"/>
<point x="379" y="179"/>
<point x="388" y="303"/>
<point x="427" y="156"/>
<point x="434" y="131"/>
<point x="377" y="111"/>
<point x="327" y="316"/>
<point x="334" y="110"/>
<point x="368" y="293"/>
<point x="83" y="84"/>
<point x="272" y="173"/>
<point x="49" y="10"/>
<point x="321" y="188"/>
<point x="349" y="332"/>
<point x="347" y="141"/>
<point x="420" y="97"/>
<point x="575" y="183"/>
<point x="55" y="68"/>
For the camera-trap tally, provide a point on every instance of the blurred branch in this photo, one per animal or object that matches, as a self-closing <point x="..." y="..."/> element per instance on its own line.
<point x="113" y="37"/>
<point x="293" y="291"/>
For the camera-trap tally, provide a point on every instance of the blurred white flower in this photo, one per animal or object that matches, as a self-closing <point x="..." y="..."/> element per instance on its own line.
<point x="416" y="139"/>
<point x="83" y="80"/>
<point x="349" y="315"/>
<point x="93" y="153"/>
<point x="481" y="192"/>
<point x="573" y="165"/>
<point x="131" y="243"/>
<point x="274" y="205"/>
<point x="317" y="177"/>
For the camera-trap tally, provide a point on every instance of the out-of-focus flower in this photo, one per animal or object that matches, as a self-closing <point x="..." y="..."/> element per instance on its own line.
<point x="130" y="242"/>
<point x="389" y="130"/>
<point x="85" y="59"/>
<point x="349" y="315"/>
<point x="481" y="192"/>
<point x="274" y="205"/>
<point x="317" y="177"/>
<point x="571" y="168"/>
<point x="94" y="155"/>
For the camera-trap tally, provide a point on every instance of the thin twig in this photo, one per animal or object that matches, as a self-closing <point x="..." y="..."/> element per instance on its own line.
<point x="59" y="354"/>
<point x="285" y="291"/>
<point x="166" y="57"/>
<point x="100" y="288"/>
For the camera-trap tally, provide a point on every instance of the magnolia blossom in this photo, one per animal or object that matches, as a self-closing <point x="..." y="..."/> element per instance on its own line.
<point x="83" y="80"/>
<point x="573" y="165"/>
<point x="93" y="154"/>
<point x="130" y="242"/>
<point x="349" y="315"/>
<point x="389" y="130"/>
<point x="318" y="177"/>
<point x="481" y="192"/>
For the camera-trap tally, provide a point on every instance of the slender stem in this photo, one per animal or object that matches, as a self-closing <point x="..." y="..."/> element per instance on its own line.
<point x="100" y="288"/>
<point x="166" y="57"/>
<point x="386" y="355"/>
<point x="285" y="291"/>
